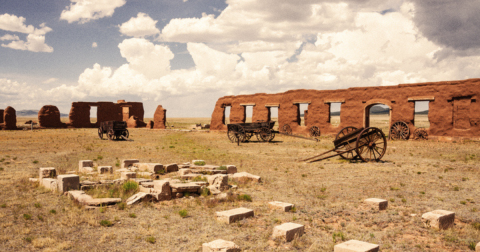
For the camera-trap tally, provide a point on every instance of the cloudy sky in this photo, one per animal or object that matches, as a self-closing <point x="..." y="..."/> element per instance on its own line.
<point x="185" y="54"/>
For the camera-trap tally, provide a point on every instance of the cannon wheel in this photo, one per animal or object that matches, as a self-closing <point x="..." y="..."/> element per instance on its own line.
<point x="420" y="134"/>
<point x="265" y="135"/>
<point x="399" y="131"/>
<point x="236" y="133"/>
<point x="111" y="135"/>
<point x="287" y="129"/>
<point x="371" y="144"/>
<point x="125" y="134"/>
<point x="100" y="133"/>
<point x="343" y="132"/>
<point x="314" y="131"/>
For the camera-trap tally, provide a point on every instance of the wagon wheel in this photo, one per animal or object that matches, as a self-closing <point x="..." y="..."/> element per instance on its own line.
<point x="371" y="144"/>
<point x="248" y="136"/>
<point x="100" y="133"/>
<point x="265" y="135"/>
<point x="420" y="133"/>
<point x="343" y="132"/>
<point x="125" y="134"/>
<point x="111" y="135"/>
<point x="314" y="131"/>
<point x="399" y="131"/>
<point x="235" y="133"/>
<point x="287" y="129"/>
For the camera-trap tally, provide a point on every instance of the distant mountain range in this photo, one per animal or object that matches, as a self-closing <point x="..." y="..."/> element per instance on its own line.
<point x="31" y="113"/>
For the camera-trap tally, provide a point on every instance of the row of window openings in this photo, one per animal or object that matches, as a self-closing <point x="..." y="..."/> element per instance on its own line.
<point x="420" y="117"/>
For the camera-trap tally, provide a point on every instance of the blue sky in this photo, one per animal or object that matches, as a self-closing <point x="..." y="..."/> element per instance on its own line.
<point x="186" y="54"/>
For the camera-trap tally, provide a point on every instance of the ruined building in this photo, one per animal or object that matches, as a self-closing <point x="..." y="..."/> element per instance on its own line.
<point x="453" y="107"/>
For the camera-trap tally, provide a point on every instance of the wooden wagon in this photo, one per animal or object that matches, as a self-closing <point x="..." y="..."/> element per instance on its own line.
<point x="242" y="132"/>
<point x="114" y="130"/>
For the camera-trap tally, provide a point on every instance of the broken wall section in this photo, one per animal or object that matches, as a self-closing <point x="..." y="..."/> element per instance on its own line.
<point x="9" y="119"/>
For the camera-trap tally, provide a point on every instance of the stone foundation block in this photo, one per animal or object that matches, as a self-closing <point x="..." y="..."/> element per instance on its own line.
<point x="50" y="184"/>
<point x="288" y="231"/>
<point x="234" y="215"/>
<point x="33" y="180"/>
<point x="220" y="246"/>
<point x="281" y="205"/>
<point x="231" y="169"/>
<point x="183" y="172"/>
<point x="85" y="169"/>
<point x="199" y="160"/>
<point x="84" y="163"/>
<point x="162" y="190"/>
<point x="356" y="246"/>
<point x="128" y="175"/>
<point x="105" y="169"/>
<point x="245" y="176"/>
<point x="128" y="162"/>
<point x="149" y="167"/>
<point x="439" y="219"/>
<point x="381" y="204"/>
<point x="79" y="196"/>
<point x="47" y="172"/>
<point x="171" y="168"/>
<point x="184" y="187"/>
<point x="477" y="248"/>
<point x="141" y="196"/>
<point x="68" y="182"/>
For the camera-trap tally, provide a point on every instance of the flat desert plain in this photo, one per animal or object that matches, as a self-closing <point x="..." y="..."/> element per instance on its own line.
<point x="415" y="177"/>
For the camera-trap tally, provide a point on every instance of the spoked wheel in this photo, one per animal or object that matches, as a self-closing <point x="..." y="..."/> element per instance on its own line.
<point x="111" y="135"/>
<point x="350" y="146"/>
<point x="236" y="133"/>
<point x="314" y="131"/>
<point x="100" y="133"/>
<point x="248" y="136"/>
<point x="125" y="134"/>
<point x="265" y="135"/>
<point x="420" y="134"/>
<point x="399" y="131"/>
<point x="287" y="129"/>
<point x="371" y="144"/>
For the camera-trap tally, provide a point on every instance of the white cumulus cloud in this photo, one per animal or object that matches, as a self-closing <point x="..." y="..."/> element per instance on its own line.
<point x="82" y="11"/>
<point x="9" y="37"/>
<point x="140" y="26"/>
<point x="94" y="45"/>
<point x="35" y="39"/>
<point x="34" y="43"/>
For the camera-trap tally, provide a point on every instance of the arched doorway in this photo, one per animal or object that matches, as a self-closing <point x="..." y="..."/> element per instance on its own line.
<point x="378" y="113"/>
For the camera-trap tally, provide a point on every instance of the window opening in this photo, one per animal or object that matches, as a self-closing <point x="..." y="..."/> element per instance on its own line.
<point x="379" y="117"/>
<point x="93" y="114"/>
<point x="302" y="107"/>
<point x="335" y="108"/>
<point x="273" y="116"/>
<point x="421" y="114"/>
<point x="248" y="114"/>
<point x="226" y="114"/>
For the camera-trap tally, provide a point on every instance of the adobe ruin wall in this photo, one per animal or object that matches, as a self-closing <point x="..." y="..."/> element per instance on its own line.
<point x="453" y="107"/>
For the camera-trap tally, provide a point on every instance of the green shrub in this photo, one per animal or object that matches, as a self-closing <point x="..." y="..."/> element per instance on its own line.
<point x="132" y="215"/>
<point x="121" y="206"/>
<point x="199" y="179"/>
<point x="35" y="161"/>
<point x="106" y="223"/>
<point x="339" y="235"/>
<point x="205" y="192"/>
<point x="3" y="205"/>
<point x="151" y="239"/>
<point x="476" y="225"/>
<point x="222" y="168"/>
<point x="183" y="213"/>
<point x="27" y="216"/>
<point x="130" y="186"/>
<point x="200" y="163"/>
<point x="53" y="211"/>
<point x="37" y="205"/>
<point x="244" y="197"/>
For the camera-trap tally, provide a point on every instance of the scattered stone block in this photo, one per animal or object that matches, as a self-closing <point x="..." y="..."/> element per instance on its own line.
<point x="234" y="215"/>
<point x="79" y="196"/>
<point x="218" y="183"/>
<point x="50" y="184"/>
<point x="191" y="176"/>
<point x="220" y="246"/>
<point x="47" y="172"/>
<point x="356" y="246"/>
<point x="149" y="167"/>
<point x="288" y="231"/>
<point x="128" y="162"/>
<point x="477" y="248"/>
<point x="231" y="169"/>
<point x="148" y="184"/>
<point x="183" y="172"/>
<point x="68" y="182"/>
<point x="103" y="201"/>
<point x="184" y="187"/>
<point x="282" y="205"/>
<point x="106" y="182"/>
<point x="33" y="180"/>
<point x="162" y="190"/>
<point x="199" y="160"/>
<point x="105" y="169"/>
<point x="84" y="163"/>
<point x="245" y="176"/>
<point x="140" y="181"/>
<point x="122" y="170"/>
<point x="141" y="196"/>
<point x="439" y="219"/>
<point x="171" y="168"/>
<point x="381" y="204"/>
<point x="184" y="166"/>
<point x="128" y="175"/>
<point x="119" y="181"/>
<point x="85" y="169"/>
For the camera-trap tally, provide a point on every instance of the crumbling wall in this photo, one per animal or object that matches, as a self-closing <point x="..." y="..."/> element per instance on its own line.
<point x="49" y="117"/>
<point x="1" y="115"/>
<point x="9" y="119"/>
<point x="453" y="108"/>
<point x="159" y="118"/>
<point x="80" y="115"/>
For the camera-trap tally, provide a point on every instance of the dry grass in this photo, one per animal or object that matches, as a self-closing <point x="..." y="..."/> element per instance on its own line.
<point x="416" y="177"/>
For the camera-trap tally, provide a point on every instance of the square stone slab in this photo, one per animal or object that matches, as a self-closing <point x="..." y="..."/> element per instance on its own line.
<point x="234" y="215"/>
<point x="381" y="204"/>
<point x="105" y="169"/>
<point x="245" y="176"/>
<point x="439" y="219"/>
<point x="220" y="246"/>
<point x="47" y="172"/>
<point x="128" y="175"/>
<point x="68" y="182"/>
<point x="282" y="205"/>
<point x="288" y="231"/>
<point x="356" y="246"/>
<point x="49" y="183"/>
<point x="128" y="162"/>
<point x="85" y="163"/>
<point x="184" y="187"/>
